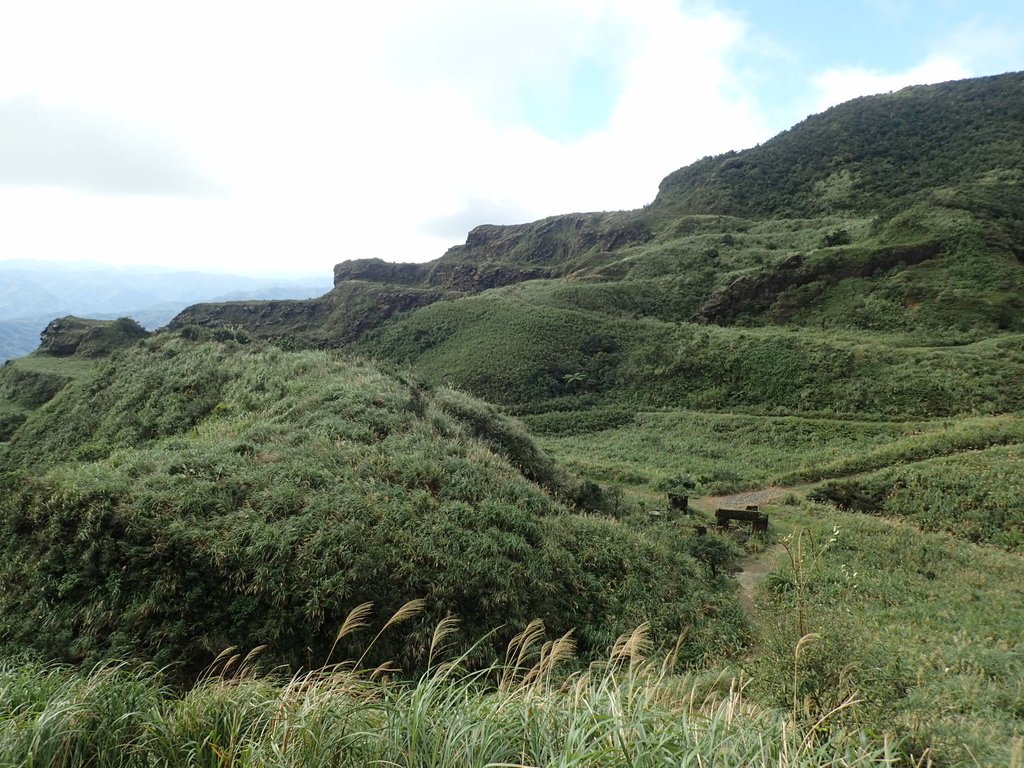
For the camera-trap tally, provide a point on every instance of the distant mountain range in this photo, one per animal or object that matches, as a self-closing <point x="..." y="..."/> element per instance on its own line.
<point x="34" y="293"/>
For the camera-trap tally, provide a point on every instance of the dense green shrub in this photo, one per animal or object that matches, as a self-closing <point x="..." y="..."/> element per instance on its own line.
<point x="10" y="422"/>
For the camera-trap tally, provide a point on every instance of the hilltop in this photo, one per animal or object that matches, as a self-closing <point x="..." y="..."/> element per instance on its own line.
<point x="189" y="495"/>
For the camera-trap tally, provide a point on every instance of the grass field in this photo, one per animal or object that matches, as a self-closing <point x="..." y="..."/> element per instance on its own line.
<point x="728" y="451"/>
<point x="875" y="643"/>
<point x="976" y="495"/>
<point x="926" y="630"/>
<point x="70" y="367"/>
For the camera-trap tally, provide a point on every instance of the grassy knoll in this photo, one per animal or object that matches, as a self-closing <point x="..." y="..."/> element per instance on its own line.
<point x="561" y="359"/>
<point x="924" y="629"/>
<point x="195" y="495"/>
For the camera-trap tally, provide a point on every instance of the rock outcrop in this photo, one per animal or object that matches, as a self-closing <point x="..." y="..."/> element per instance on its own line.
<point x="71" y="335"/>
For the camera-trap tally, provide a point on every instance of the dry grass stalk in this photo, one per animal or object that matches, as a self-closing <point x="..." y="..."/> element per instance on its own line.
<point x="445" y="629"/>
<point x="633" y="647"/>
<point x="356" y="620"/>
<point x="410" y="610"/>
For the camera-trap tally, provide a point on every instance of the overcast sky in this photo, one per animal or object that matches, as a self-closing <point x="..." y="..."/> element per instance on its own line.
<point x="268" y="137"/>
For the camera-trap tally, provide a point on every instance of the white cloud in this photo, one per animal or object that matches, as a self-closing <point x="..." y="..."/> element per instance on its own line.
<point x="43" y="145"/>
<point x="988" y="48"/>
<point x="348" y="130"/>
<point x="835" y="86"/>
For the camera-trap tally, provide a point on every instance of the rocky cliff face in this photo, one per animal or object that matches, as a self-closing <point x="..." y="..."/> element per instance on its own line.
<point x="493" y="256"/>
<point x="333" y="320"/>
<point x="380" y="271"/>
<point x="367" y="292"/>
<point x="461" y="277"/>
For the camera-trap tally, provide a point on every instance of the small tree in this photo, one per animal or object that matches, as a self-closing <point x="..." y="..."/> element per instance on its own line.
<point x="717" y="553"/>
<point x="836" y="237"/>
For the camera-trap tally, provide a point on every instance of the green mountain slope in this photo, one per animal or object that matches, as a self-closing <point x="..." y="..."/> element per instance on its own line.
<point x="898" y="214"/>
<point x="876" y="153"/>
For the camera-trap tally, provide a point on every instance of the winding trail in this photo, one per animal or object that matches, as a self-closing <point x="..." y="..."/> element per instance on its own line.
<point x="755" y="567"/>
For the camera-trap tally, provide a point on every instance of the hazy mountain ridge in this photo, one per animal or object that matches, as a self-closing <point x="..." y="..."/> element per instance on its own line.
<point x="31" y="295"/>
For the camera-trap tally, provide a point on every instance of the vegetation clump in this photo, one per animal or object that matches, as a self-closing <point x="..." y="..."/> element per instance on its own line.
<point x="88" y="338"/>
<point x="196" y="495"/>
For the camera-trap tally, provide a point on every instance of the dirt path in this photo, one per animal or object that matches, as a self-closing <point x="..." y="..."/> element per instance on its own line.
<point x="756" y="567"/>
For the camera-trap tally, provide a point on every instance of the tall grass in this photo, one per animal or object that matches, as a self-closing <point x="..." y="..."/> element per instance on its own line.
<point x="924" y="628"/>
<point x="977" y="495"/>
<point x="626" y="711"/>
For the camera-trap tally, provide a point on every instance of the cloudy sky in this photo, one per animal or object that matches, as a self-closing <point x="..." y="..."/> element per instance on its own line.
<point x="285" y="137"/>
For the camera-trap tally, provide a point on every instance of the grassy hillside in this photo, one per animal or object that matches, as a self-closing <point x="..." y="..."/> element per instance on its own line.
<point x="872" y="153"/>
<point x="70" y="348"/>
<point x="555" y="358"/>
<point x="839" y="311"/>
<point x="877" y="645"/>
<point x="729" y="451"/>
<point x="195" y="495"/>
<point x="868" y="262"/>
<point x="342" y="315"/>
<point x="922" y="629"/>
<point x="977" y="495"/>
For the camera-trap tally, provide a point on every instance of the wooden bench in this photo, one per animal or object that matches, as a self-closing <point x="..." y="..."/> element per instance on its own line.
<point x="758" y="520"/>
